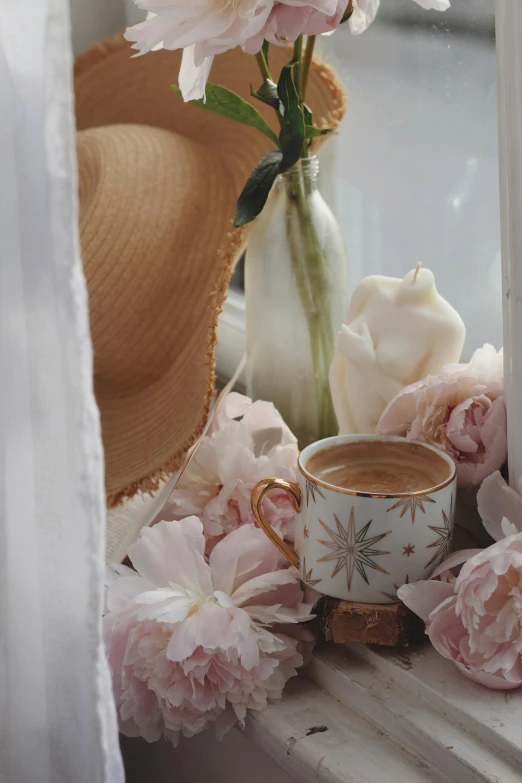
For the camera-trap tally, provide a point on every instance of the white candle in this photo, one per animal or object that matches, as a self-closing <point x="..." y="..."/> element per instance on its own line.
<point x="397" y="332"/>
<point x="509" y="72"/>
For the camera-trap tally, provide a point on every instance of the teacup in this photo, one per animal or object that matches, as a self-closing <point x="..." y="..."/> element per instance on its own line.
<point x="360" y="545"/>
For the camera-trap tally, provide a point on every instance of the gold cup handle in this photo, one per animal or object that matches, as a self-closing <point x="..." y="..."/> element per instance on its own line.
<point x="294" y="490"/>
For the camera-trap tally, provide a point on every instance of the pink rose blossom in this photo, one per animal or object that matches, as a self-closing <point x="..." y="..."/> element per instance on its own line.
<point x="246" y="443"/>
<point x="193" y="642"/>
<point x="477" y="621"/>
<point x="461" y="410"/>
<point x="207" y="28"/>
<point x="365" y="11"/>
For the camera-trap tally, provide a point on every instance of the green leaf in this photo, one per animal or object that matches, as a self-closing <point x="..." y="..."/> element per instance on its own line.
<point x="311" y="132"/>
<point x="292" y="135"/>
<point x="227" y="104"/>
<point x="308" y="116"/>
<point x="258" y="186"/>
<point x="267" y="93"/>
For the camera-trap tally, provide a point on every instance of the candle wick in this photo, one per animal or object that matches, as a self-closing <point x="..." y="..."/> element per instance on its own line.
<point x="416" y="273"/>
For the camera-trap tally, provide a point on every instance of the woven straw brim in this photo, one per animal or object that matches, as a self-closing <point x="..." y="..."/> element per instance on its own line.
<point x="158" y="244"/>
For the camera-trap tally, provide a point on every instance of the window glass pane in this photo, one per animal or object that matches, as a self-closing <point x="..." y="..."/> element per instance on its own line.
<point x="413" y="174"/>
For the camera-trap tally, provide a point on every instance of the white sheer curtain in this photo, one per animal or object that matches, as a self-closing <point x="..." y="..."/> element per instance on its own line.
<point x="57" y="721"/>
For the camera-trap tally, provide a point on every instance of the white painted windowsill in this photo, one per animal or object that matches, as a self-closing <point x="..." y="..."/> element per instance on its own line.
<point x="391" y="718"/>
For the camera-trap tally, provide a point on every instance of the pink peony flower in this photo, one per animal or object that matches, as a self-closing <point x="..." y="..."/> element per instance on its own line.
<point x="246" y="443"/>
<point x="210" y="27"/>
<point x="461" y="410"/>
<point x="365" y="11"/>
<point x="193" y="642"/>
<point x="477" y="621"/>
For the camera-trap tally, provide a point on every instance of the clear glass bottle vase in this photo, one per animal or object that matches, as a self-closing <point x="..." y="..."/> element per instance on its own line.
<point x="296" y="294"/>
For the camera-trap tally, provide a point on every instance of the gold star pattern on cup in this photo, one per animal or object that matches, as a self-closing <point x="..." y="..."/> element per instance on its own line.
<point x="442" y="544"/>
<point x="411" y="504"/>
<point x="352" y="550"/>
<point x="409" y="550"/>
<point x="393" y="596"/>
<point x="311" y="491"/>
<point x="307" y="576"/>
<point x="306" y="532"/>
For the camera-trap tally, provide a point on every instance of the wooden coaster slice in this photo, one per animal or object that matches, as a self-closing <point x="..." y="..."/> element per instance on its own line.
<point x="390" y="625"/>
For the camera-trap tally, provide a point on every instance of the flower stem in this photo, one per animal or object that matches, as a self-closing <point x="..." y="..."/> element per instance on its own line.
<point x="305" y="66"/>
<point x="312" y="278"/>
<point x="263" y="65"/>
<point x="298" y="54"/>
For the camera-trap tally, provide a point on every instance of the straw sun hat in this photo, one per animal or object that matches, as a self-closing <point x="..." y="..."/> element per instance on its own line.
<point x="158" y="182"/>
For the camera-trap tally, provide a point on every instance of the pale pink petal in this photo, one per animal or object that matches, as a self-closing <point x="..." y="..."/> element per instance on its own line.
<point x="164" y="606"/>
<point x="124" y="590"/>
<point x="506" y="548"/>
<point x="243" y="554"/>
<point x="191" y="527"/>
<point x="492" y="681"/>
<point x="305" y="636"/>
<point x="290" y="594"/>
<point x="508" y="528"/>
<point x="326" y="7"/>
<point x="224" y="599"/>
<point x="436" y="5"/>
<point x="193" y="78"/>
<point x="455" y="559"/>
<point x="263" y="584"/>
<point x="493" y="434"/>
<point x="445" y="629"/>
<point x="146" y="36"/>
<point x="289" y="22"/>
<point x="167" y="553"/>
<point x="496" y="501"/>
<point x="401" y="411"/>
<point x="205" y="628"/>
<point x="232" y="406"/>
<point x="278" y="614"/>
<point x="364" y="13"/>
<point x="264" y="440"/>
<point x="424" y="596"/>
<point x="463" y="436"/>
<point x="263" y="417"/>
<point x="115" y="571"/>
<point x="158" y="595"/>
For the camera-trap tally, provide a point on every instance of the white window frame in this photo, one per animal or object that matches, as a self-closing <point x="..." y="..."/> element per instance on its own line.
<point x="509" y="76"/>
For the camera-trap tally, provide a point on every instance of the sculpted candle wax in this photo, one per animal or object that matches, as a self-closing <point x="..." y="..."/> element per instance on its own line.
<point x="396" y="332"/>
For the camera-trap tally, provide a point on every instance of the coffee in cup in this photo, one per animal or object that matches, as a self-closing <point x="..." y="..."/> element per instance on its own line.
<point x="378" y="466"/>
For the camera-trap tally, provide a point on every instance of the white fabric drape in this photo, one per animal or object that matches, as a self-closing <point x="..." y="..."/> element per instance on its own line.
<point x="57" y="719"/>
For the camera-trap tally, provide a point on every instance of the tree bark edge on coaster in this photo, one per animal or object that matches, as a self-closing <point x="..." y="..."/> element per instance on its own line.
<point x="388" y="625"/>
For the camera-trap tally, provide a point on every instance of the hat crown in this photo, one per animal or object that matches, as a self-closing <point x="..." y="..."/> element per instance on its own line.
<point x="144" y="194"/>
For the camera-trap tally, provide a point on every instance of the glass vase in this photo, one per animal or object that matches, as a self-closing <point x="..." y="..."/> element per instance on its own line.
<point x="296" y="294"/>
